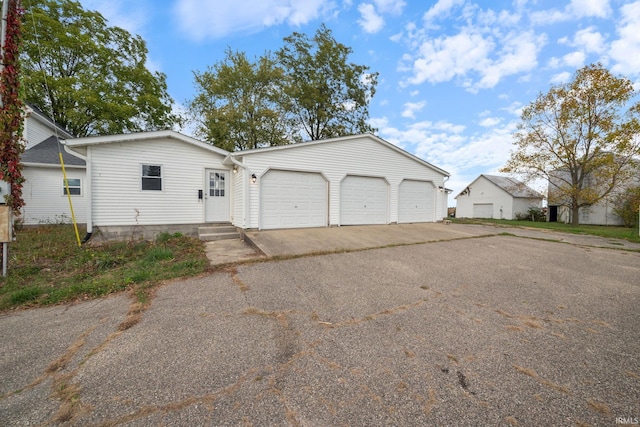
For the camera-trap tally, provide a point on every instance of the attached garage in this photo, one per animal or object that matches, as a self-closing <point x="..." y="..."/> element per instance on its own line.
<point x="364" y="200"/>
<point x="483" y="210"/>
<point x="293" y="199"/>
<point x="415" y="201"/>
<point x="350" y="180"/>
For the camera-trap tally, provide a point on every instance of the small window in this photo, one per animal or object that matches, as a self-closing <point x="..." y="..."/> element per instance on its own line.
<point x="152" y="177"/>
<point x="216" y="184"/>
<point x="74" y="187"/>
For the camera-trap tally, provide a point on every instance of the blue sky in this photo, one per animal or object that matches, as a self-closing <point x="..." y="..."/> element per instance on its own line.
<point x="454" y="74"/>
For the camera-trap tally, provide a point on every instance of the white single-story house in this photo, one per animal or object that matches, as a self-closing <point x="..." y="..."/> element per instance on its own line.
<point x="44" y="190"/>
<point x="498" y="197"/>
<point x="161" y="180"/>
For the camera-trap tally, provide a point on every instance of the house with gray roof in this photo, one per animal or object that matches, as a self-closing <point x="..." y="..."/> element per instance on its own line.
<point x="44" y="190"/>
<point x="498" y="197"/>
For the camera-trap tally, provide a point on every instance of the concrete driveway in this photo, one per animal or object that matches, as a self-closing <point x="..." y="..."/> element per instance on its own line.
<point x="482" y="329"/>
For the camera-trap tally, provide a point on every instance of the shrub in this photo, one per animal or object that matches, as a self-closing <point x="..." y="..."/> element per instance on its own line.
<point x="626" y="206"/>
<point x="533" y="214"/>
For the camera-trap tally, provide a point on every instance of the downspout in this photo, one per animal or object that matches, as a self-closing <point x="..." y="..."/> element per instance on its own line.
<point x="445" y="210"/>
<point x="88" y="186"/>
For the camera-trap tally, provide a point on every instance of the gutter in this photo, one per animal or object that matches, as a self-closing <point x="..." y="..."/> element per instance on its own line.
<point x="88" y="186"/>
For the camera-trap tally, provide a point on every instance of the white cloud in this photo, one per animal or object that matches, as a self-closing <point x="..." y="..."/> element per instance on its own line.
<point x="590" y="40"/>
<point x="574" y="59"/>
<point x="561" y="78"/>
<point x="589" y="8"/>
<point x="124" y="14"/>
<point x="205" y="20"/>
<point x="370" y="21"/>
<point x="442" y="8"/>
<point x="518" y="54"/>
<point x="478" y="57"/>
<point x="624" y="51"/>
<point x="575" y="10"/>
<point x="394" y="7"/>
<point x="490" y="122"/>
<point x="444" y="58"/>
<point x="410" y="108"/>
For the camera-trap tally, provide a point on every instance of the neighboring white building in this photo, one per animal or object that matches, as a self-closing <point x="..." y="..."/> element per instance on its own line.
<point x="601" y="213"/>
<point x="498" y="197"/>
<point x="44" y="191"/>
<point x="161" y="180"/>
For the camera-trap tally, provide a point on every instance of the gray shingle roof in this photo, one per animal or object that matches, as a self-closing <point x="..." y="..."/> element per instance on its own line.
<point x="513" y="186"/>
<point x="46" y="153"/>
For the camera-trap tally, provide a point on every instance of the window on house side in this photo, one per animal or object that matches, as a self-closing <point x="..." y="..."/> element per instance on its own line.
<point x="75" y="188"/>
<point x="152" y="177"/>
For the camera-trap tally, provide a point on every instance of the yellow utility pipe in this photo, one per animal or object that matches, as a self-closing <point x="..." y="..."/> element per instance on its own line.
<point x="66" y="184"/>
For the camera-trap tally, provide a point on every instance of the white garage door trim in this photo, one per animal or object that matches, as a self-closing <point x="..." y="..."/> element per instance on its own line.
<point x="364" y="200"/>
<point x="415" y="201"/>
<point x="293" y="199"/>
<point x="483" y="210"/>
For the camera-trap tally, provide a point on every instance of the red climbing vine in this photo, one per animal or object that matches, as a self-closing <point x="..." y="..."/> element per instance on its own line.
<point x="11" y="111"/>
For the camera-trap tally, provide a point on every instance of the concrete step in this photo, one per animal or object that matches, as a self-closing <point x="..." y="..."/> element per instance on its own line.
<point x="218" y="232"/>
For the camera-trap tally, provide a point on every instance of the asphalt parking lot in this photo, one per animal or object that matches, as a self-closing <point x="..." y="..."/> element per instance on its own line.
<point x="479" y="330"/>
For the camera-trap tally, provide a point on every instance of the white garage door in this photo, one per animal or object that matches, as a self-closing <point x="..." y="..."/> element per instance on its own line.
<point x="363" y="200"/>
<point x="293" y="200"/>
<point x="415" y="201"/>
<point x="483" y="210"/>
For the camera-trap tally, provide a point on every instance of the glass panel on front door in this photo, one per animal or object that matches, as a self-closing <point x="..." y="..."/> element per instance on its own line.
<point x="216" y="184"/>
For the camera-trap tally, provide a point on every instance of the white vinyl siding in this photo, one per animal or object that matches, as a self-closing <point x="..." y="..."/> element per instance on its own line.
<point x="483" y="191"/>
<point x="36" y="132"/>
<point x="45" y="200"/>
<point x="361" y="155"/>
<point x="292" y="199"/>
<point x="415" y="201"/>
<point x="239" y="202"/>
<point x="116" y="192"/>
<point x="364" y="200"/>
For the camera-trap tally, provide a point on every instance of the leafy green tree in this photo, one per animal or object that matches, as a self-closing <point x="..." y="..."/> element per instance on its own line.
<point x="91" y="77"/>
<point x="236" y="103"/>
<point x="324" y="95"/>
<point x="582" y="137"/>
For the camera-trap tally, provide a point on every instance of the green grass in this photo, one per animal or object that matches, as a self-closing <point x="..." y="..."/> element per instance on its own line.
<point x="46" y="266"/>
<point x="610" y="232"/>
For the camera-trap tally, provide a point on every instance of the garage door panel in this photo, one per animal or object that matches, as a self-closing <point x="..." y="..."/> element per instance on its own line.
<point x="363" y="200"/>
<point x="415" y="201"/>
<point x="293" y="199"/>
<point x="483" y="210"/>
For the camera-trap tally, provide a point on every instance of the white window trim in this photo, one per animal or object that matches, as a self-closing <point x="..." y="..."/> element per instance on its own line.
<point x="161" y="177"/>
<point x="64" y="187"/>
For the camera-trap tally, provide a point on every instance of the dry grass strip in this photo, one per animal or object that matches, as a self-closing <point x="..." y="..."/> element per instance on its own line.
<point x="599" y="407"/>
<point x="533" y="374"/>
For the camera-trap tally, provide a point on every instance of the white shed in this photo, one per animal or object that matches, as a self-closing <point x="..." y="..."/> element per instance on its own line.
<point x="498" y="197"/>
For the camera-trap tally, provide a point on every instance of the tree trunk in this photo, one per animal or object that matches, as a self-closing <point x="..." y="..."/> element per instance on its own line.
<point x="575" y="215"/>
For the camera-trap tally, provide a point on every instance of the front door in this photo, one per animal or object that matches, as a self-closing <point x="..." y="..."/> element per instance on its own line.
<point x="216" y="197"/>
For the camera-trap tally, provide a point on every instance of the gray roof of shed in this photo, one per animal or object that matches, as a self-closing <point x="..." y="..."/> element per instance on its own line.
<point x="513" y="186"/>
<point x="46" y="153"/>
